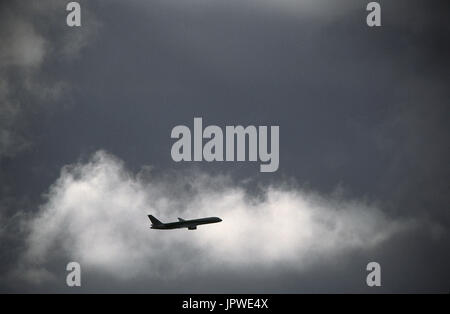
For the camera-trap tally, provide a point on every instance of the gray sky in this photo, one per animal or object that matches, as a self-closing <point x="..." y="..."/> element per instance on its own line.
<point x="85" y="121"/>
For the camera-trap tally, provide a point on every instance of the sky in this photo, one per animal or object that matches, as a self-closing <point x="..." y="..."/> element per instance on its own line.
<point x="86" y="115"/>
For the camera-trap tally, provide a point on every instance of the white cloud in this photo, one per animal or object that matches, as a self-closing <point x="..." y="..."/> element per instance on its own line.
<point x="96" y="215"/>
<point x="22" y="46"/>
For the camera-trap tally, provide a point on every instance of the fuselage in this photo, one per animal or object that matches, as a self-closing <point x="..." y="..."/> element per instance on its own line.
<point x="190" y="224"/>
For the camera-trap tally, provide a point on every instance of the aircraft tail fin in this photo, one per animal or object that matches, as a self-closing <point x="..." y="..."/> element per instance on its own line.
<point x="181" y="219"/>
<point x="154" y="220"/>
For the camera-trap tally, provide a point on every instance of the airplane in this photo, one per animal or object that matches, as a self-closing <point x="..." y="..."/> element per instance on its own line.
<point x="181" y="223"/>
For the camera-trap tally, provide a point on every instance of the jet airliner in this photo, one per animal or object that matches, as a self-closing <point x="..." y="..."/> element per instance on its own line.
<point x="181" y="223"/>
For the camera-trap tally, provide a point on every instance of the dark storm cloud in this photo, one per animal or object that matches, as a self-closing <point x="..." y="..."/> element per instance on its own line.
<point x="29" y="48"/>
<point x="361" y="111"/>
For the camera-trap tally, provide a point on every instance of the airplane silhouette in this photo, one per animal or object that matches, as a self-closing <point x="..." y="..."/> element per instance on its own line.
<point x="181" y="223"/>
